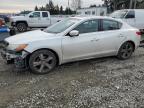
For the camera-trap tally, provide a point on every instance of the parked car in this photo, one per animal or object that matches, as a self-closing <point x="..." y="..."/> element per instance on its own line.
<point x="4" y="30"/>
<point x="134" y="17"/>
<point x="35" y="19"/>
<point x="72" y="39"/>
<point x="6" y="19"/>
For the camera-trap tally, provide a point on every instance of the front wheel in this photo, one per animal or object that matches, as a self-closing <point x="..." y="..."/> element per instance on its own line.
<point x="42" y="61"/>
<point x="21" y="27"/>
<point x="125" y="51"/>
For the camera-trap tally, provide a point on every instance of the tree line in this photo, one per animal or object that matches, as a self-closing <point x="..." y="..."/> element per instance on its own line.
<point x="55" y="9"/>
<point x="111" y="5"/>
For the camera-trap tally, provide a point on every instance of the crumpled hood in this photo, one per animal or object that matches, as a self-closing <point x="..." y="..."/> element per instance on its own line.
<point x="29" y="37"/>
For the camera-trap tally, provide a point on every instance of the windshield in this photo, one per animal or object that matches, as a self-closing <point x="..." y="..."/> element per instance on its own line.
<point x="119" y="14"/>
<point x="61" y="26"/>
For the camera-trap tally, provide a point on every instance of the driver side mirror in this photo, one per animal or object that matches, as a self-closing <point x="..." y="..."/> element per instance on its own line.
<point x="74" y="33"/>
<point x="31" y="16"/>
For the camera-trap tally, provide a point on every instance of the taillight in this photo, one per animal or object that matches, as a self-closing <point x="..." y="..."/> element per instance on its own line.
<point x="139" y="33"/>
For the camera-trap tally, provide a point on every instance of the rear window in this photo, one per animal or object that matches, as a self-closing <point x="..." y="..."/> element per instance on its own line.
<point x="44" y="14"/>
<point x="111" y="25"/>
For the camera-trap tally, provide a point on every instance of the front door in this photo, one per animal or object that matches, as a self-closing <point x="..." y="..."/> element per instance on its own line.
<point x="82" y="46"/>
<point x="34" y="19"/>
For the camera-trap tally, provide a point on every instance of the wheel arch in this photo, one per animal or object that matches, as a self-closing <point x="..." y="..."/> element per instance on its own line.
<point x="22" y="21"/>
<point x="130" y="42"/>
<point x="56" y="54"/>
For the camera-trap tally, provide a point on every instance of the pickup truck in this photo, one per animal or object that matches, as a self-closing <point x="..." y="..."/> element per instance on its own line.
<point x="35" y="19"/>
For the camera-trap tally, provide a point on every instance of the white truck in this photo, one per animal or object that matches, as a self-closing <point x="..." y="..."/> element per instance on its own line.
<point x="134" y="17"/>
<point x="35" y="19"/>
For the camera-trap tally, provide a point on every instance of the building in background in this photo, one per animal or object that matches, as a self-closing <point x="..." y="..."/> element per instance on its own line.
<point x="97" y="11"/>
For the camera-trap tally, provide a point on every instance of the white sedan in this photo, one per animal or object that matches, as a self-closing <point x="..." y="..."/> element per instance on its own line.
<point x="72" y="39"/>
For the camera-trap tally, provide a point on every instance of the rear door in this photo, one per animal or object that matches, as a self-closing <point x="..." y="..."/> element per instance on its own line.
<point x="110" y="37"/>
<point x="45" y="19"/>
<point x="34" y="19"/>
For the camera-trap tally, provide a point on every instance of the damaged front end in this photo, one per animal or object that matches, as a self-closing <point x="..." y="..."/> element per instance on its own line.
<point x="12" y="56"/>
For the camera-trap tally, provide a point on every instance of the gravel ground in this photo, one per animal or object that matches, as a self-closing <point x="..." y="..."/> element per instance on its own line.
<point x="98" y="83"/>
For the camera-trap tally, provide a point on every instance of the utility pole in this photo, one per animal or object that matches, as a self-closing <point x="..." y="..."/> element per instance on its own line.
<point x="68" y="7"/>
<point x="135" y="4"/>
<point x="131" y="4"/>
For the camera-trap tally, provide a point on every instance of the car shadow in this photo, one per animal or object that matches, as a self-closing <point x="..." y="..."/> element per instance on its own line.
<point x="69" y="65"/>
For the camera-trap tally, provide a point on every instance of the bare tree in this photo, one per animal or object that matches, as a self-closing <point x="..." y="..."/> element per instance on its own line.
<point x="76" y="4"/>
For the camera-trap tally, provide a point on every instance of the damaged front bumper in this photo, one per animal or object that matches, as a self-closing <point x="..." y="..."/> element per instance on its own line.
<point x="18" y="58"/>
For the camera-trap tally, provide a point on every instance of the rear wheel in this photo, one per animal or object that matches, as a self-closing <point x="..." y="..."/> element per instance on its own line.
<point x="126" y="50"/>
<point x="42" y="61"/>
<point x="22" y="27"/>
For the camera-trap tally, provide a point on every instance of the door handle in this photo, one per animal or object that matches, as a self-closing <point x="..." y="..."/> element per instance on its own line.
<point x="93" y="40"/>
<point x="121" y="35"/>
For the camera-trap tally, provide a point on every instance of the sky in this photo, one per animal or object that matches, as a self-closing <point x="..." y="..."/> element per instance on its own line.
<point x="13" y="6"/>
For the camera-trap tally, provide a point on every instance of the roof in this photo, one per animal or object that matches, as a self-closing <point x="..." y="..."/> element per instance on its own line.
<point x="96" y="17"/>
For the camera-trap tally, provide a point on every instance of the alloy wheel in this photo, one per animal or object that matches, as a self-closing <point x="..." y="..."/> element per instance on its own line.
<point x="42" y="61"/>
<point x="126" y="50"/>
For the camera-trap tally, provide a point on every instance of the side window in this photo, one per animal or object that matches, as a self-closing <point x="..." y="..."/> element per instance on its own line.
<point x="111" y="25"/>
<point x="131" y="14"/>
<point x="44" y="14"/>
<point x="93" y="12"/>
<point x="88" y="26"/>
<point x="87" y="13"/>
<point x="35" y="14"/>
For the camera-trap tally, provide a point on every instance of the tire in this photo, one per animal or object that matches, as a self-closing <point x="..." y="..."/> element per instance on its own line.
<point x="125" y="51"/>
<point x="12" y="32"/>
<point x="42" y="62"/>
<point x="21" y="27"/>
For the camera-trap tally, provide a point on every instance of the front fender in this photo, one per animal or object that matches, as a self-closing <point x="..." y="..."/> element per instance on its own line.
<point x="51" y="45"/>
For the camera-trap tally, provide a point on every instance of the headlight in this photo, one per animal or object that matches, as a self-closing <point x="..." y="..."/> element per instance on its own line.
<point x="21" y="47"/>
